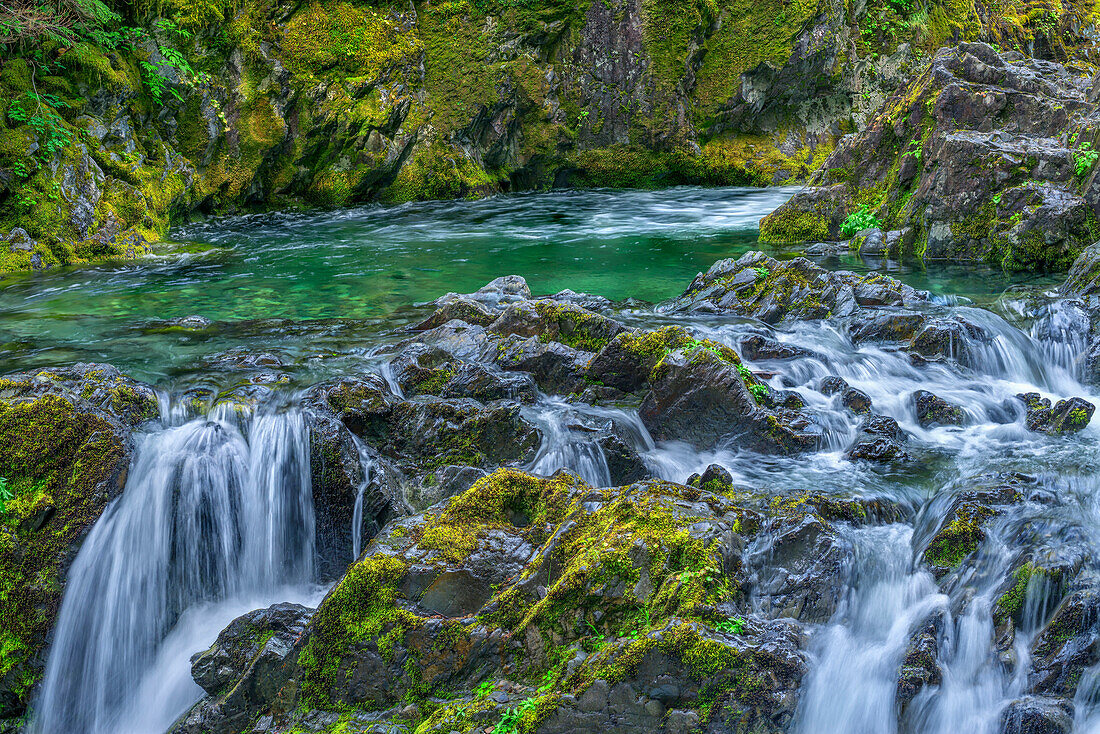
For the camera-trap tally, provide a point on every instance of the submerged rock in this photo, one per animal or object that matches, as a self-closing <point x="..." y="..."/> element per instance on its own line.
<point x="1037" y="715"/>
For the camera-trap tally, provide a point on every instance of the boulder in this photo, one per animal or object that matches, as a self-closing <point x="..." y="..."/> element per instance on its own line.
<point x="1037" y="715"/>
<point x="1067" y="416"/>
<point x="933" y="410"/>
<point x="880" y="439"/>
<point x="703" y="399"/>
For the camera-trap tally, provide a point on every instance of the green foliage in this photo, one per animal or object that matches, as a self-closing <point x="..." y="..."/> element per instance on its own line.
<point x="762" y="272"/>
<point x="157" y="83"/>
<point x="858" y="221"/>
<point x="483" y="689"/>
<point x="732" y="625"/>
<point x="1084" y="159"/>
<point x="6" y="495"/>
<point x="759" y="392"/>
<point x="39" y="111"/>
<point x="510" y="721"/>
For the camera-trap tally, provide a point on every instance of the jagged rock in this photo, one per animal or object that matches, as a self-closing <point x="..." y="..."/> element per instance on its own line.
<point x="702" y="398"/>
<point x="245" y="669"/>
<point x="880" y="439"/>
<point x="550" y="320"/>
<point x="626" y="362"/>
<point x="441" y="484"/>
<point x="1037" y="715"/>
<point x="962" y="531"/>
<point x="854" y="400"/>
<point x="952" y="338"/>
<point x="1067" y="645"/>
<point x="764" y="288"/>
<point x="1084" y="276"/>
<point x="715" y="478"/>
<point x="920" y="667"/>
<point x="885" y="326"/>
<point x="421" y="369"/>
<point x="934" y="411"/>
<point x="1067" y="416"/>
<point x="460" y="308"/>
<point x="977" y="158"/>
<point x="758" y="347"/>
<point x="556" y="368"/>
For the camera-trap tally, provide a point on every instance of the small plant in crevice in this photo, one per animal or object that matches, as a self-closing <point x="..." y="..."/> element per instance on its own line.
<point x="731" y="625"/>
<point x="858" y="221"/>
<point x="6" y="496"/>
<point x="759" y="392"/>
<point x="762" y="272"/>
<point x="1084" y="158"/>
<point x="509" y="722"/>
<point x="483" y="689"/>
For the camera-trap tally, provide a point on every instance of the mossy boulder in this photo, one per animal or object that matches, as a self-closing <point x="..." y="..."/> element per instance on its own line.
<point x="65" y="447"/>
<point x="933" y="411"/>
<point x="1066" y="416"/>
<point x="570" y="605"/>
<point x="770" y="290"/>
<point x="963" y="528"/>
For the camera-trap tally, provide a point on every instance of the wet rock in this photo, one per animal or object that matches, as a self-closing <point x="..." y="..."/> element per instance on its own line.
<point x="460" y="308"/>
<point x="1037" y="715"/>
<point x="757" y="347"/>
<point x="559" y="322"/>
<point x="1067" y="416"/>
<point x="421" y="369"/>
<point x="933" y="410"/>
<point x="880" y="439"/>
<point x="920" y="667"/>
<point x="764" y="288"/>
<point x="184" y="325"/>
<point x="65" y="448"/>
<point x="443" y="483"/>
<point x="240" y="358"/>
<point x="962" y="530"/>
<point x="714" y="479"/>
<point x="952" y="338"/>
<point x="245" y="669"/>
<point x="1067" y="645"/>
<point x="887" y="326"/>
<point x="624" y="464"/>
<point x="629" y="358"/>
<point x="364" y="404"/>
<point x="701" y="398"/>
<point x="1084" y="276"/>
<point x="854" y="400"/>
<point x="555" y="367"/>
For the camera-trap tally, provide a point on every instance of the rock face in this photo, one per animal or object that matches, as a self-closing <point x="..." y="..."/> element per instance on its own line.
<point x="984" y="156"/>
<point x="245" y="668"/>
<point x="65" y="447"/>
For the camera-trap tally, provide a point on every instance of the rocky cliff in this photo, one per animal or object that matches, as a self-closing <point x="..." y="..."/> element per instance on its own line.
<point x="199" y="106"/>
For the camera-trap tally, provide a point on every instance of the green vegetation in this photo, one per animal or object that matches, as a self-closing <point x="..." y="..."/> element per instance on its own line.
<point x="858" y="221"/>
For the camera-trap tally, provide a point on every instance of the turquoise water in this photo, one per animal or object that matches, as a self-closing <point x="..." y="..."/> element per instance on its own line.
<point x="320" y="286"/>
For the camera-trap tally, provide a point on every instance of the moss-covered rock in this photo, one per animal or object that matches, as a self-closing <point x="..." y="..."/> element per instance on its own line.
<point x="64" y="450"/>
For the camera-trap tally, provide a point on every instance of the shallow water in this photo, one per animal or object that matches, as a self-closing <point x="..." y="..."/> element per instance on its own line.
<point x="327" y="291"/>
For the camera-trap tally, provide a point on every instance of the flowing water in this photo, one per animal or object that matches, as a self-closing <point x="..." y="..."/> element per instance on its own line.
<point x="215" y="515"/>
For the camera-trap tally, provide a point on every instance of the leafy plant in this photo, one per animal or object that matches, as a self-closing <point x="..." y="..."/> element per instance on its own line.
<point x="483" y="689"/>
<point x="1084" y="158"/>
<point x="744" y="371"/>
<point x="509" y="722"/>
<point x="858" y="221"/>
<point x="762" y="272"/>
<point x="39" y="111"/>
<point x="6" y="495"/>
<point x="732" y="625"/>
<point x="759" y="392"/>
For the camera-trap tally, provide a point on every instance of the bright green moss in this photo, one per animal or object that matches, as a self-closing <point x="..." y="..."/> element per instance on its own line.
<point x="787" y="224"/>
<point x="958" y="538"/>
<point x="337" y="35"/>
<point x="439" y="172"/>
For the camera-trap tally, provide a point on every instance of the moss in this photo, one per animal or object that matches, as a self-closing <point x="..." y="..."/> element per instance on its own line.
<point x="958" y="538"/>
<point x="61" y="464"/>
<point x="575" y="326"/>
<point x="361" y="606"/>
<point x="787" y="224"/>
<point x="356" y="39"/>
<point x="438" y="172"/>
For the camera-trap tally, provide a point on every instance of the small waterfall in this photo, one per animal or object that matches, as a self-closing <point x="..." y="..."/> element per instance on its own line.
<point x="369" y="463"/>
<point x="567" y="444"/>
<point x="208" y="515"/>
<point x="852" y="687"/>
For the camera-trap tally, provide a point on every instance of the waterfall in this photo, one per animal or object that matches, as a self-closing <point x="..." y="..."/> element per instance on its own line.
<point x="369" y="463"/>
<point x="211" y="514"/>
<point x="852" y="686"/>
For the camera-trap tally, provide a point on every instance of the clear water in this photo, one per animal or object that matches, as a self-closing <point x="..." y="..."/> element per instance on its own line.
<point x="330" y="282"/>
<point x="325" y="290"/>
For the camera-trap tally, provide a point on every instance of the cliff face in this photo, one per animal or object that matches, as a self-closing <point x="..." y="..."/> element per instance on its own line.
<point x="200" y="105"/>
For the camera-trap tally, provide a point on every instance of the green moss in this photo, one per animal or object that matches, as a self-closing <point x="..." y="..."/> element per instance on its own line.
<point x="959" y="538"/>
<point x="60" y="464"/>
<point x="439" y="172"/>
<point x="357" y="39"/>
<point x="787" y="224"/>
